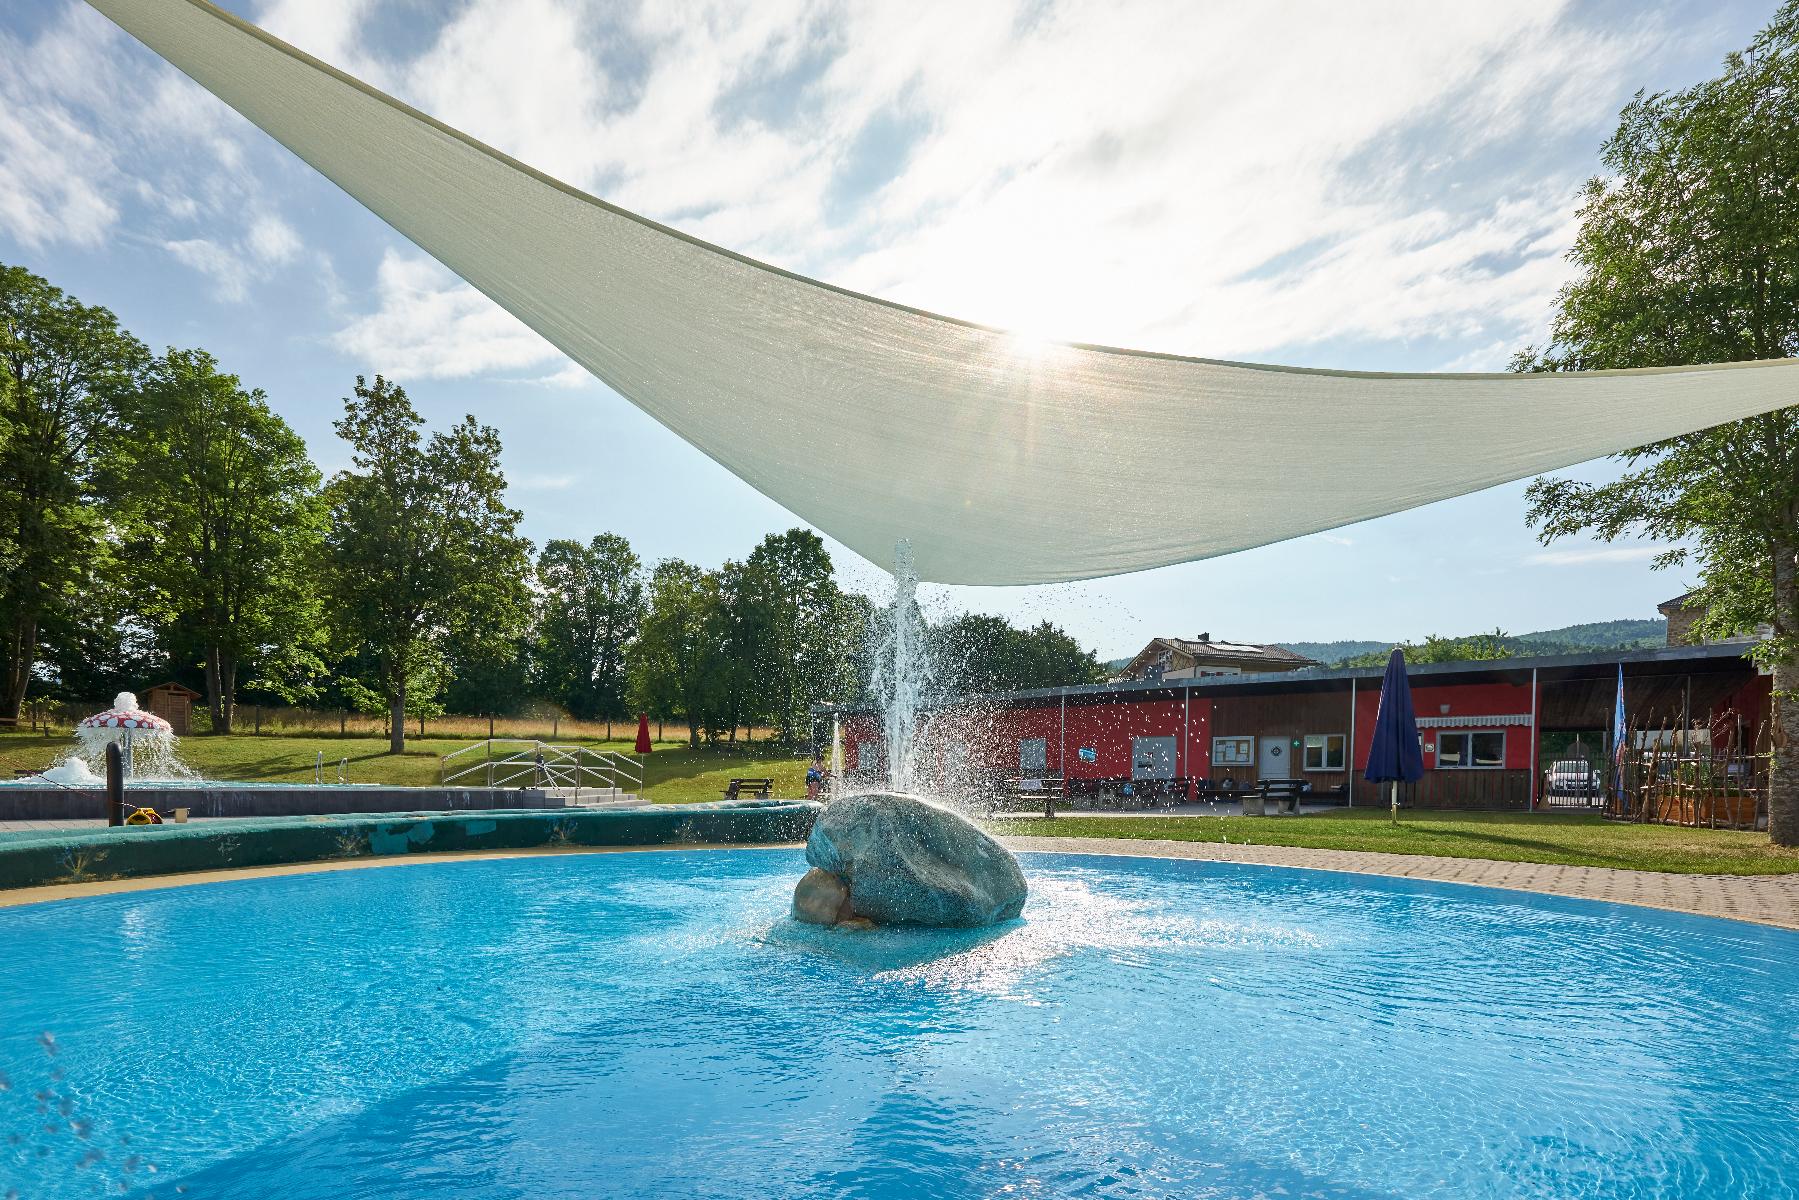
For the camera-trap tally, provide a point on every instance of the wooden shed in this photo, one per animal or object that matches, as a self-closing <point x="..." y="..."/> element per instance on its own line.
<point x="174" y="703"/>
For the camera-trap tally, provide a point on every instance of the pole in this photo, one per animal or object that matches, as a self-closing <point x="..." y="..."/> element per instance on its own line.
<point x="115" y="784"/>
<point x="1187" y="737"/>
<point x="1349" y="756"/>
<point x="1536" y="741"/>
<point x="1394" y="818"/>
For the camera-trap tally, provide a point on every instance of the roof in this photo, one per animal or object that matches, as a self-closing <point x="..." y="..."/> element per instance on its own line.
<point x="172" y="686"/>
<point x="1709" y="657"/>
<point x="1679" y="602"/>
<point x="1247" y="651"/>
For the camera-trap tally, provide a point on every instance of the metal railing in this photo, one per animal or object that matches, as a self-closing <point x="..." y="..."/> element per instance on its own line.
<point x="527" y="763"/>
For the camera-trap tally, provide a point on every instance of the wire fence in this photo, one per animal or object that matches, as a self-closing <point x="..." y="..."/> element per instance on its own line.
<point x="58" y="718"/>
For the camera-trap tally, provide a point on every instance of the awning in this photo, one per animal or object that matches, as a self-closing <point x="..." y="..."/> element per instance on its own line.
<point x="1004" y="461"/>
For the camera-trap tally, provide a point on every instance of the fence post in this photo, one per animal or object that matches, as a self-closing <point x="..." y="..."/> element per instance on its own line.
<point x="555" y="724"/>
<point x="343" y="722"/>
<point x="258" y="718"/>
<point x="490" y="727"/>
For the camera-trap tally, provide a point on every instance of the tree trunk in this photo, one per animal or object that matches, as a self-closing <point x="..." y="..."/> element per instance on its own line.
<point x="1783" y="771"/>
<point x="21" y="657"/>
<point x="396" y="722"/>
<point x="221" y="689"/>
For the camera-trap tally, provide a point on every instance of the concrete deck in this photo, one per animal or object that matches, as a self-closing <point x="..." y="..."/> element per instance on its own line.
<point x="1763" y="899"/>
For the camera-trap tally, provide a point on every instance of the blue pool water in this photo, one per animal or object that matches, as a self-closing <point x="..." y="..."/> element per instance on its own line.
<point x="650" y="1025"/>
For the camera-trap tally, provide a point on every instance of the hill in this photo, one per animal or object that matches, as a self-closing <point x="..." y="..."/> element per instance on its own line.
<point x="1570" y="639"/>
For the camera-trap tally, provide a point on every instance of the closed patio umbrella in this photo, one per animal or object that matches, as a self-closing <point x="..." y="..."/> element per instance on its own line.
<point x="1395" y="755"/>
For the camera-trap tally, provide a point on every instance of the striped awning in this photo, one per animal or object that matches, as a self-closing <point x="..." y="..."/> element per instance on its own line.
<point x="1473" y="722"/>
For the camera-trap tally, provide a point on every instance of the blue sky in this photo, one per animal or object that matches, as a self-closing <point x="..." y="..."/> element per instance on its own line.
<point x="1378" y="185"/>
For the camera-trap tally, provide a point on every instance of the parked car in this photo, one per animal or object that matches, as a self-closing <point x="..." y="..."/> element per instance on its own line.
<point x="1573" y="779"/>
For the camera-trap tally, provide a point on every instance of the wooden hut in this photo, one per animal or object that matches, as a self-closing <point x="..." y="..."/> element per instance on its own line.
<point x="173" y="703"/>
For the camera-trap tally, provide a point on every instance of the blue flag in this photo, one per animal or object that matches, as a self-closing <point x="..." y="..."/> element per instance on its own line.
<point x="1620" y="737"/>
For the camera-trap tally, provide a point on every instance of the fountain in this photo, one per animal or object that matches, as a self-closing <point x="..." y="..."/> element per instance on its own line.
<point x="895" y="857"/>
<point x="147" y="741"/>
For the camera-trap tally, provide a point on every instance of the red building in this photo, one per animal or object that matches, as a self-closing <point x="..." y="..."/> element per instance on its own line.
<point x="1490" y="729"/>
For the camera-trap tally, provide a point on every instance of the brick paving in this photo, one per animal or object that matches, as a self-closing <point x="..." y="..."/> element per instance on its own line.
<point x="1764" y="899"/>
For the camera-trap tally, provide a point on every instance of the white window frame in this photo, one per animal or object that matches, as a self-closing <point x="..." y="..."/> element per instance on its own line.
<point x="1470" y="734"/>
<point x="1249" y="751"/>
<point x="1324" y="741"/>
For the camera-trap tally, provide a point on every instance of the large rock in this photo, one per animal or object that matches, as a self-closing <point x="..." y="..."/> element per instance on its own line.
<point x="907" y="861"/>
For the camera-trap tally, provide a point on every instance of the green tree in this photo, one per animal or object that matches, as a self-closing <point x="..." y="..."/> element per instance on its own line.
<point x="63" y="367"/>
<point x="421" y="551"/>
<point x="804" y="657"/>
<point x="590" y="604"/>
<point x="1688" y="252"/>
<point x="977" y="653"/>
<point x="226" y="523"/>
<point x="667" y="660"/>
<point x="1481" y="647"/>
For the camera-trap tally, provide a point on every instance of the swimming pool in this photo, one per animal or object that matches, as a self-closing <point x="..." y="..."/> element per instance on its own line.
<point x="650" y="1024"/>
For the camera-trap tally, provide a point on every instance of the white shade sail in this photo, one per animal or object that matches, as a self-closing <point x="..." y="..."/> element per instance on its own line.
<point x="1003" y="461"/>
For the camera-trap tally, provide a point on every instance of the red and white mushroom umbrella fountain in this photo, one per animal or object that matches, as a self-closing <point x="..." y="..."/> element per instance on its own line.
<point x="147" y="740"/>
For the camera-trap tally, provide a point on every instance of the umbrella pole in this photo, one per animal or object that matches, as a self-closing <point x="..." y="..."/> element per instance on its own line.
<point x="1394" y="817"/>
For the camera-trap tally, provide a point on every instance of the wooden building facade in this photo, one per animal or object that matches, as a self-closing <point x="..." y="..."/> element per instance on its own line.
<point x="1489" y="729"/>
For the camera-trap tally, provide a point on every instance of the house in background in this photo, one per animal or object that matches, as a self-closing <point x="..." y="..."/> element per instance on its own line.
<point x="1681" y="619"/>
<point x="1197" y="658"/>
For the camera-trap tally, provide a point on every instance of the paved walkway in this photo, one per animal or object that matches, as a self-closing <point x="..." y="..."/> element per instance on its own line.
<point x="1765" y="899"/>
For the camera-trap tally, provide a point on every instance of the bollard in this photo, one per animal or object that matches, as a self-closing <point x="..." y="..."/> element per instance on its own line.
<point x="115" y="784"/>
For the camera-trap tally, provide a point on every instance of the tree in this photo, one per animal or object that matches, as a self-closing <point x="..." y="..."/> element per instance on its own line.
<point x="1482" y="647"/>
<point x="226" y="526"/>
<point x="805" y="657"/>
<point x="421" y="551"/>
<point x="63" y="367"/>
<point x="590" y="604"/>
<point x="1689" y="253"/>
<point x="978" y="653"/>
<point x="667" y="659"/>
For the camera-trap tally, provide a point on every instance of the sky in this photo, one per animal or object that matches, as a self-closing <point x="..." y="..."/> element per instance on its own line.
<point x="1381" y="185"/>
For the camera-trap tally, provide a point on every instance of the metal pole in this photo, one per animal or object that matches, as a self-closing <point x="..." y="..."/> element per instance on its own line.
<point x="1536" y="740"/>
<point x="115" y="784"/>
<point x="1062" y="743"/>
<point x="1349" y="754"/>
<point x="1187" y="737"/>
<point x="1686" y="720"/>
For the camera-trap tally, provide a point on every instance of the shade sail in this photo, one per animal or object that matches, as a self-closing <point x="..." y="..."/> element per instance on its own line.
<point x="1003" y="461"/>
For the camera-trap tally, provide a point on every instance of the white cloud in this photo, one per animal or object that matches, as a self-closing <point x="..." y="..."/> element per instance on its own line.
<point x="430" y="325"/>
<point x="1594" y="554"/>
<point x="1220" y="180"/>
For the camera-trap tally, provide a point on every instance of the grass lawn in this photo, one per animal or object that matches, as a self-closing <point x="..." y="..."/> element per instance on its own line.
<point x="1579" y="840"/>
<point x="675" y="774"/>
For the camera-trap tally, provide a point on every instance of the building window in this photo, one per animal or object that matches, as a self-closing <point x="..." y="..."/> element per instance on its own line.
<point x="1471" y="750"/>
<point x="1233" y="751"/>
<point x="1324" y="751"/>
<point x="1033" y="757"/>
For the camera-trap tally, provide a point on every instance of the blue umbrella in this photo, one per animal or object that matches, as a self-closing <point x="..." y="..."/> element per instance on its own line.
<point x="1395" y="755"/>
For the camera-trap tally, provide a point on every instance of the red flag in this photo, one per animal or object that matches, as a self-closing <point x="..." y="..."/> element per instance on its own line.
<point x="643" y="733"/>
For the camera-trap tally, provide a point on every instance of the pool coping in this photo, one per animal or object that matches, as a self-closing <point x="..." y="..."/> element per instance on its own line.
<point x="1771" y="900"/>
<point x="49" y="893"/>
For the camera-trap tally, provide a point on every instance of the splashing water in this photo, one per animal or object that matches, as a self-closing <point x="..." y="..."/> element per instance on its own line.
<point x="901" y="671"/>
<point x="149" y="745"/>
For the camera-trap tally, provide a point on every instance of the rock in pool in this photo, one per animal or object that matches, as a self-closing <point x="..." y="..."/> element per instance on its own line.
<point x="897" y="859"/>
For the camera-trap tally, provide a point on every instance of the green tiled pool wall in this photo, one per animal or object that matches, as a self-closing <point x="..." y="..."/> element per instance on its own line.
<point x="32" y="860"/>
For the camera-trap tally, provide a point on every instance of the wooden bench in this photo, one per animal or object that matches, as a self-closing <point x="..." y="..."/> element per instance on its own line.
<point x="756" y="789"/>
